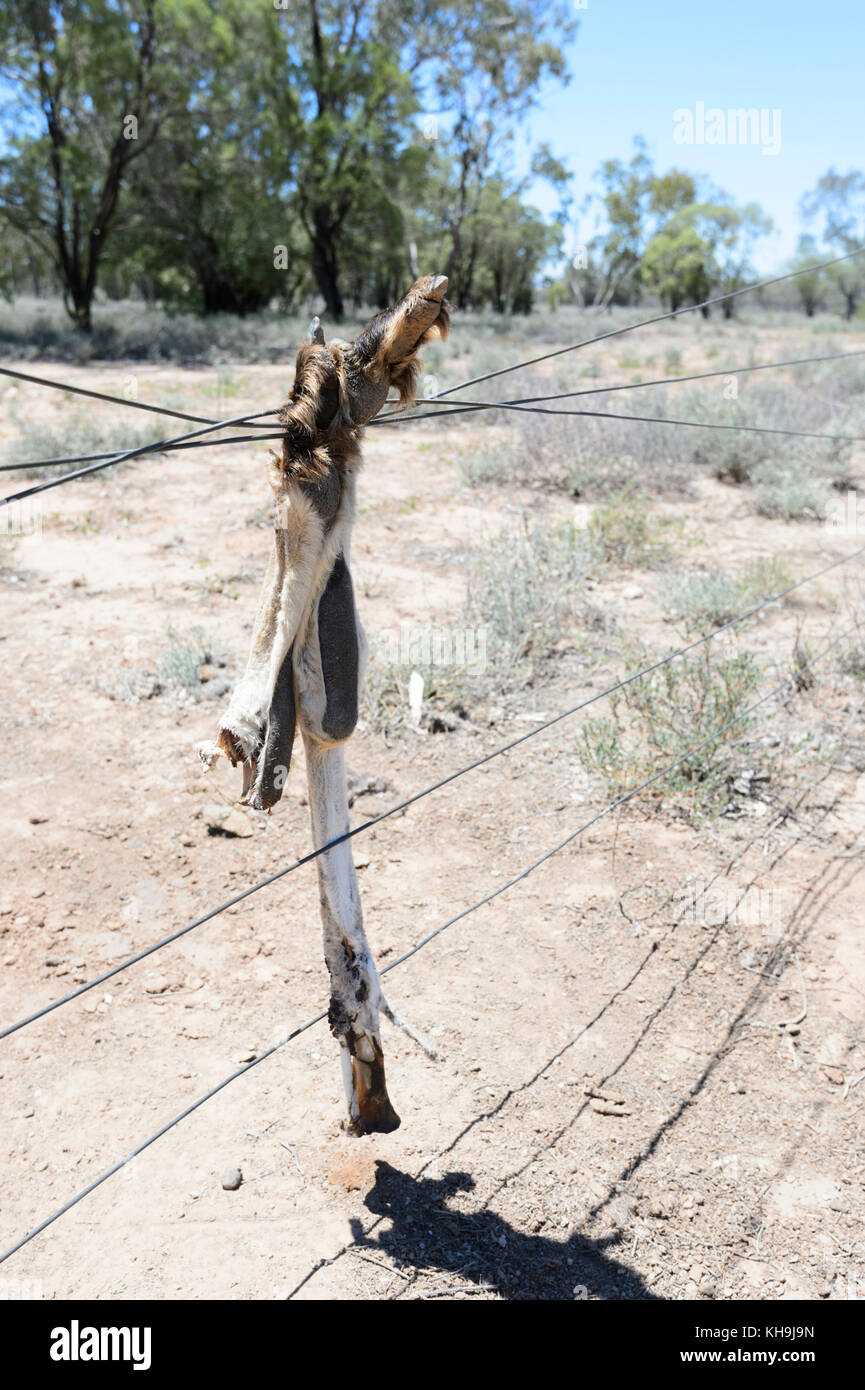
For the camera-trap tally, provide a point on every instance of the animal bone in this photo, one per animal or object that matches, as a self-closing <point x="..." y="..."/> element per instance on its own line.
<point x="308" y="653"/>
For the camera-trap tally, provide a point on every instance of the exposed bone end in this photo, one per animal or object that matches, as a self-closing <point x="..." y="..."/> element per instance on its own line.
<point x="369" y="1107"/>
<point x="208" y="752"/>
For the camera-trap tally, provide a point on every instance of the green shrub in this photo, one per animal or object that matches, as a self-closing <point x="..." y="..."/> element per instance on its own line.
<point x="705" y="599"/>
<point x="624" y="530"/>
<point x="68" y="436"/>
<point x="524" y="585"/>
<point x="656" y="720"/>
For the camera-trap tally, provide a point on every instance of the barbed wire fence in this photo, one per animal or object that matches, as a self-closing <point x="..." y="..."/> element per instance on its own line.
<point x="193" y="439"/>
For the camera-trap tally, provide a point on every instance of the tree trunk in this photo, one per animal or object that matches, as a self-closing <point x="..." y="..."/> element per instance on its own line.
<point x="325" y="266"/>
<point x="218" y="295"/>
<point x="35" y="276"/>
<point x="80" y="309"/>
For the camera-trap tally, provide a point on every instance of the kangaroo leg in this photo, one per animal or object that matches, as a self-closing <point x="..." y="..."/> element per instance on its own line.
<point x="354" y="983"/>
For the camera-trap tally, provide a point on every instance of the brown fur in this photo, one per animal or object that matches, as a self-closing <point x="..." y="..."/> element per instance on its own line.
<point x="317" y="419"/>
<point x="313" y="413"/>
<point x="382" y="344"/>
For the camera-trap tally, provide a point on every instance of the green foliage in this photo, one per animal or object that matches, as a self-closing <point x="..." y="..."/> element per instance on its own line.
<point x="702" y="250"/>
<point x="810" y="284"/>
<point x="176" y="673"/>
<point x="705" y="599"/>
<point x="179" y="667"/>
<point x="660" y="718"/>
<point x="660" y="235"/>
<point x="624" y="530"/>
<point x="485" y="464"/>
<point x="273" y="148"/>
<point x="92" y="82"/>
<point x="839" y="200"/>
<point x="790" y="492"/>
<point x="69" y="436"/>
<point x="524" y="587"/>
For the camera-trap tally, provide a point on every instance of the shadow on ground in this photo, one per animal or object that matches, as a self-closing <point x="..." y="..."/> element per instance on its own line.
<point x="427" y="1234"/>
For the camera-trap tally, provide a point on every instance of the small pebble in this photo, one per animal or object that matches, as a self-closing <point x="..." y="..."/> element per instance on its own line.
<point x="231" y="1179"/>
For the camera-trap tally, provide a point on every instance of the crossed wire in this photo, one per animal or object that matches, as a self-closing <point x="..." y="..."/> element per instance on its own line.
<point x="209" y="426"/>
<point x="788" y="683"/>
<point x="97" y="462"/>
<point x="427" y="791"/>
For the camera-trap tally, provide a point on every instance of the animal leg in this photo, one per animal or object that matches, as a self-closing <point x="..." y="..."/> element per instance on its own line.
<point x="259" y="721"/>
<point x="355" y="991"/>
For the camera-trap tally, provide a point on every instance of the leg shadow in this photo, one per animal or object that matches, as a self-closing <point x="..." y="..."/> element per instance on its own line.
<point x="428" y="1234"/>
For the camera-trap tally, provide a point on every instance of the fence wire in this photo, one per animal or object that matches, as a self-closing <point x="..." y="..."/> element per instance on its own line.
<point x="788" y="684"/>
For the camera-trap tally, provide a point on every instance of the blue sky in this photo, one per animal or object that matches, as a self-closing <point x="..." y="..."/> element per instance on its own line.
<point x="635" y="64"/>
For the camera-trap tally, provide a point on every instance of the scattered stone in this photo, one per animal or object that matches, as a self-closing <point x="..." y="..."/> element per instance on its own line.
<point x="603" y="1107"/>
<point x="364" y="784"/>
<point x="606" y="1101"/>
<point x="38" y="820"/>
<point x="227" y="820"/>
<point x="633" y="591"/>
<point x="157" y="984"/>
<point x="231" y="1179"/>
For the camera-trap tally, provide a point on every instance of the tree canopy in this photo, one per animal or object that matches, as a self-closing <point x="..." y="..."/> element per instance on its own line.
<point x="226" y="156"/>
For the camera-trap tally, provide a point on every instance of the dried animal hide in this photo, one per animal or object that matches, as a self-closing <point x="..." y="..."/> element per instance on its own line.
<point x="307" y="658"/>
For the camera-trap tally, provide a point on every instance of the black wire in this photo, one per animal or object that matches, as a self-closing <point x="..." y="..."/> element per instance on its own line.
<point x="155" y="448"/>
<point x="503" y="888"/>
<point x="104" y="396"/>
<point x="658" y="318"/>
<point x="468" y="406"/>
<point x="637" y="385"/>
<point x="610" y="415"/>
<point x="626" y="796"/>
<point x="115" y="1168"/>
<point x="168" y="446"/>
<point x="426" y="791"/>
<point x="127" y="454"/>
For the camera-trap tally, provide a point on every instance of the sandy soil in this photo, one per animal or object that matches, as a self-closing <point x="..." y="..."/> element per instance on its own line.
<point x="637" y="1097"/>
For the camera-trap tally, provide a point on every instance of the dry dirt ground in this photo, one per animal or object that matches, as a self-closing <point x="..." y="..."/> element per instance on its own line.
<point x="639" y="1096"/>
